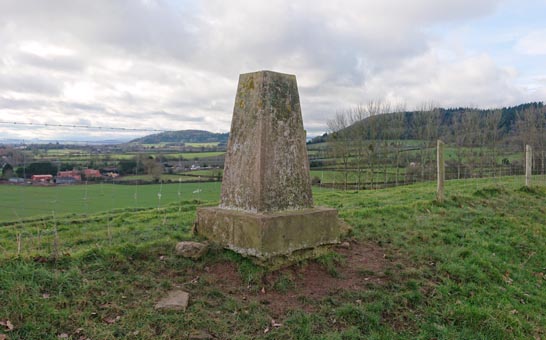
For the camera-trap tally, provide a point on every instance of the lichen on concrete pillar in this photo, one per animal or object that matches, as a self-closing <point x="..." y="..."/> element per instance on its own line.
<point x="266" y="165"/>
<point x="266" y="209"/>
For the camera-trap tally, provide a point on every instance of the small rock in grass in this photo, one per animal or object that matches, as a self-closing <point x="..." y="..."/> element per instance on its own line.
<point x="345" y="245"/>
<point x="199" y="335"/>
<point x="193" y="250"/>
<point x="175" y="300"/>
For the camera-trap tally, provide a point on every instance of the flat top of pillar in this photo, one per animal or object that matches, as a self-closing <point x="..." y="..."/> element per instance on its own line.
<point x="268" y="72"/>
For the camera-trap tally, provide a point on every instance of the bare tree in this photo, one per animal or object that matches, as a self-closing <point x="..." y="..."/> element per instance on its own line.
<point x="460" y="138"/>
<point x="373" y="109"/>
<point x="151" y="167"/>
<point x="531" y="129"/>
<point x="397" y="128"/>
<point x="358" y="135"/>
<point x="492" y="121"/>
<point x="339" y="141"/>
<point x="426" y="123"/>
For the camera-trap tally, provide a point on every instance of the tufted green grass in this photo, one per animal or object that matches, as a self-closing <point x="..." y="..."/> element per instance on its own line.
<point x="473" y="267"/>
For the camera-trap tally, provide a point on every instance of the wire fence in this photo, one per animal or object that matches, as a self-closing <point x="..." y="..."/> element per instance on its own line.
<point x="57" y="199"/>
<point x="46" y="217"/>
<point x="392" y="164"/>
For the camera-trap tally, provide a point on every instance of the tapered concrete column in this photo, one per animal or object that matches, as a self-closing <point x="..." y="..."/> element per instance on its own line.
<point x="266" y="209"/>
<point x="528" y="164"/>
<point x="266" y="166"/>
<point x="440" y="175"/>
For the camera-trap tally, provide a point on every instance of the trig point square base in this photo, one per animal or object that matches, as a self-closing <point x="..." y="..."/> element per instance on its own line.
<point x="273" y="239"/>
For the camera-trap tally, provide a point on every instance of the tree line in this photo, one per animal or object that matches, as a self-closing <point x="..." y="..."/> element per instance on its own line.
<point x="372" y="138"/>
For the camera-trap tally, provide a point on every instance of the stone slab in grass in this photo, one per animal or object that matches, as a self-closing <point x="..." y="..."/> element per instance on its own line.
<point x="175" y="300"/>
<point x="190" y="249"/>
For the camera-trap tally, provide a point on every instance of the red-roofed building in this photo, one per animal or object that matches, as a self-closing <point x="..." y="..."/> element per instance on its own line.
<point x="91" y="173"/>
<point x="75" y="174"/>
<point x="42" y="178"/>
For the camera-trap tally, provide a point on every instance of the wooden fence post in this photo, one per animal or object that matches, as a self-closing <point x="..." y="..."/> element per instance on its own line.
<point x="528" y="164"/>
<point x="440" y="165"/>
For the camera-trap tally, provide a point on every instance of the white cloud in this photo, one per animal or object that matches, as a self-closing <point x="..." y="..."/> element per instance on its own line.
<point x="533" y="43"/>
<point x="175" y="64"/>
<point x="472" y="81"/>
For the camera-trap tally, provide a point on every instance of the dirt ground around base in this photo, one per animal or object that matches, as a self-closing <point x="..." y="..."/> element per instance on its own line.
<point x="360" y="265"/>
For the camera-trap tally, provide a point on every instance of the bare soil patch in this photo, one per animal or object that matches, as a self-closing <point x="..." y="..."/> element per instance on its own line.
<point x="361" y="264"/>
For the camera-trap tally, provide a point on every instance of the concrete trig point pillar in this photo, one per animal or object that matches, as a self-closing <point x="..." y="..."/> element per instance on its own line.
<point x="528" y="164"/>
<point x="266" y="208"/>
<point x="441" y="174"/>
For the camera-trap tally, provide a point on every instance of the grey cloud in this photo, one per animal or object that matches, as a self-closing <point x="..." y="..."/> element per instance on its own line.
<point x="177" y="62"/>
<point x="26" y="83"/>
<point x="22" y="104"/>
<point x="58" y="63"/>
<point x="74" y="106"/>
<point x="124" y="25"/>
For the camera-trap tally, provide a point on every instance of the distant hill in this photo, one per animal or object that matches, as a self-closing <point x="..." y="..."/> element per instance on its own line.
<point x="443" y="123"/>
<point x="183" y="136"/>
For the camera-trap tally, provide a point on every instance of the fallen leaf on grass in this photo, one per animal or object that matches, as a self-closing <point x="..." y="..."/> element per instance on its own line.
<point x="7" y="325"/>
<point x="507" y="278"/>
<point x="40" y="259"/>
<point x="275" y="324"/>
<point x="3" y="337"/>
<point x="107" y="305"/>
<point x="111" y="320"/>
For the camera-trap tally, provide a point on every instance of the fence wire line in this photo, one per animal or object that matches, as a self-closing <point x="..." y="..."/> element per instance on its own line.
<point x="77" y="126"/>
<point x="387" y="167"/>
<point x="392" y="167"/>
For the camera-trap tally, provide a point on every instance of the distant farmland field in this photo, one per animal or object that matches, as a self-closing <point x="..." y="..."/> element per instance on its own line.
<point x="20" y="202"/>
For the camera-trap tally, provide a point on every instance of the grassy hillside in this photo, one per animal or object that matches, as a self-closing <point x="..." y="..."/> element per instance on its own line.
<point x="184" y="136"/>
<point x="21" y="203"/>
<point x="447" y="124"/>
<point x="471" y="268"/>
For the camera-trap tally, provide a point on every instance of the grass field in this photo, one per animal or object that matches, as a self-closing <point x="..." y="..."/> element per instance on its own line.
<point x="470" y="268"/>
<point x="198" y="145"/>
<point x="206" y="172"/>
<point x="166" y="178"/>
<point x="79" y="156"/>
<point x="24" y="202"/>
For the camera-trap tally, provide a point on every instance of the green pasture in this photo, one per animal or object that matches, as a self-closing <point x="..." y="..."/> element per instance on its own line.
<point x="71" y="156"/>
<point x="469" y="268"/>
<point x="206" y="145"/>
<point x="173" y="155"/>
<point x="338" y="176"/>
<point x="165" y="178"/>
<point x="21" y="202"/>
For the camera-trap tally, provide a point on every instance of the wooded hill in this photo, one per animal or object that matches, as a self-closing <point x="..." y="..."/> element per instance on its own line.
<point x="183" y="136"/>
<point x="520" y="123"/>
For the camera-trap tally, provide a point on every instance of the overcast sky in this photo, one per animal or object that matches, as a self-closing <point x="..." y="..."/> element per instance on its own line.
<point x="174" y="64"/>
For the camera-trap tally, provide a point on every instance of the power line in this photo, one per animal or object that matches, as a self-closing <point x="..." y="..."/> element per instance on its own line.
<point x="82" y="126"/>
